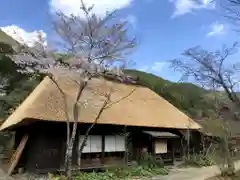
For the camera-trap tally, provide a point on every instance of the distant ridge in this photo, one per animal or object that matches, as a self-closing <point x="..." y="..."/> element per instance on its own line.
<point x="5" y="38"/>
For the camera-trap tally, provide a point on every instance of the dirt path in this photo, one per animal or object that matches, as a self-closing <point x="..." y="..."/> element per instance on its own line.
<point x="193" y="173"/>
<point x="3" y="176"/>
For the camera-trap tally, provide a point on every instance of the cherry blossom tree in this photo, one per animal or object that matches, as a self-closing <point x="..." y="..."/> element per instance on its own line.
<point x="88" y="47"/>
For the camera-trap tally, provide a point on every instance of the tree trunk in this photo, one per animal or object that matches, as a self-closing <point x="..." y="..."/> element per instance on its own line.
<point x="70" y="151"/>
<point x="66" y="160"/>
<point x="231" y="167"/>
<point x="79" y="158"/>
<point x="230" y="163"/>
<point x="69" y="162"/>
<point x="67" y="145"/>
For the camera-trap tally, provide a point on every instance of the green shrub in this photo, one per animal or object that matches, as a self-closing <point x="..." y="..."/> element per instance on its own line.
<point x="147" y="167"/>
<point x="117" y="174"/>
<point x="147" y="160"/>
<point x="199" y="160"/>
<point x="139" y="171"/>
<point x="53" y="177"/>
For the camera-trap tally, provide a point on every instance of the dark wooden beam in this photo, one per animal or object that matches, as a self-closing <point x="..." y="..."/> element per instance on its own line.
<point x="173" y="152"/>
<point x="103" y="149"/>
<point x="153" y="147"/>
<point x="16" y="156"/>
<point x="126" y="145"/>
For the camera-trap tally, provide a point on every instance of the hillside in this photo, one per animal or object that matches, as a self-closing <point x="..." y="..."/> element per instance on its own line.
<point x="15" y="86"/>
<point x="188" y="97"/>
<point x="7" y="39"/>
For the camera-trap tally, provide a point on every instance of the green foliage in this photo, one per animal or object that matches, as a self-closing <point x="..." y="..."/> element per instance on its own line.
<point x="147" y="160"/>
<point x="148" y="167"/>
<point x="7" y="39"/>
<point x="125" y="173"/>
<point x="15" y="86"/>
<point x="5" y="48"/>
<point x="199" y="160"/>
<point x="14" y="97"/>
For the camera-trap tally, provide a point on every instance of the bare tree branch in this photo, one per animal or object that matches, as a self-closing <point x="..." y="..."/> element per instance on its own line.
<point x="210" y="69"/>
<point x="215" y="71"/>
<point x="92" y="46"/>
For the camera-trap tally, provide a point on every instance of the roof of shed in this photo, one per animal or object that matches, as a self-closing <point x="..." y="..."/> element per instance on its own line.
<point x="161" y="134"/>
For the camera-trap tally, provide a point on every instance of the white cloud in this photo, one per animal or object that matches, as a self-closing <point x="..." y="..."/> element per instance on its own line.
<point x="100" y="6"/>
<point x="158" y="66"/>
<point x="144" y="68"/>
<point x="188" y="6"/>
<point x="155" y="67"/>
<point x="24" y="37"/>
<point x="216" y="29"/>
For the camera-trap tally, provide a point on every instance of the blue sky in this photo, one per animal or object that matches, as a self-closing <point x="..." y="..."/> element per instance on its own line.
<point x="164" y="28"/>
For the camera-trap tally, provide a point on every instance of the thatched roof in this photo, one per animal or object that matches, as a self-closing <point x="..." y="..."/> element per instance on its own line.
<point x="130" y="105"/>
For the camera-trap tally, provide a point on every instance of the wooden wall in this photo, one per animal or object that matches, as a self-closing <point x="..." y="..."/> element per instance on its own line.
<point x="45" y="150"/>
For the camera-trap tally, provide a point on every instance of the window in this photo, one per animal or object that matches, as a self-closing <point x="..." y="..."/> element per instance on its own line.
<point x="110" y="142"/>
<point x="92" y="145"/>
<point x="120" y="143"/>
<point x="114" y="143"/>
<point x="96" y="144"/>
<point x="160" y="146"/>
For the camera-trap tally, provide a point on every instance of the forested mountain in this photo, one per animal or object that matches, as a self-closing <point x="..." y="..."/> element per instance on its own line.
<point x="7" y="39"/>
<point x="191" y="99"/>
<point x="15" y="87"/>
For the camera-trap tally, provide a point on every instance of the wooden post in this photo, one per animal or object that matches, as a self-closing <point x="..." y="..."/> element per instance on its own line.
<point x="78" y="148"/>
<point x="103" y="149"/>
<point x="126" y="145"/>
<point x="153" y="147"/>
<point x="130" y="149"/>
<point x="173" y="154"/>
<point x="16" y="156"/>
